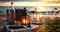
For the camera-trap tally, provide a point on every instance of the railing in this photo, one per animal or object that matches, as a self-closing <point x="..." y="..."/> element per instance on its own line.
<point x="46" y="15"/>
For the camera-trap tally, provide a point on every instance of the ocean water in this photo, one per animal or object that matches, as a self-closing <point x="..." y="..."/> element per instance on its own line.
<point x="29" y="8"/>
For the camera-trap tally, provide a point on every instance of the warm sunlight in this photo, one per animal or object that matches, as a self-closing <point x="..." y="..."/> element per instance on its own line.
<point x="51" y="1"/>
<point x="25" y="21"/>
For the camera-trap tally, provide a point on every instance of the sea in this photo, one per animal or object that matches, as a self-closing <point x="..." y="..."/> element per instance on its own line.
<point x="3" y="9"/>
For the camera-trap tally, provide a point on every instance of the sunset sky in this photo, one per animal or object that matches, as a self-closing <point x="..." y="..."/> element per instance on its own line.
<point x="20" y="0"/>
<point x="30" y="2"/>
